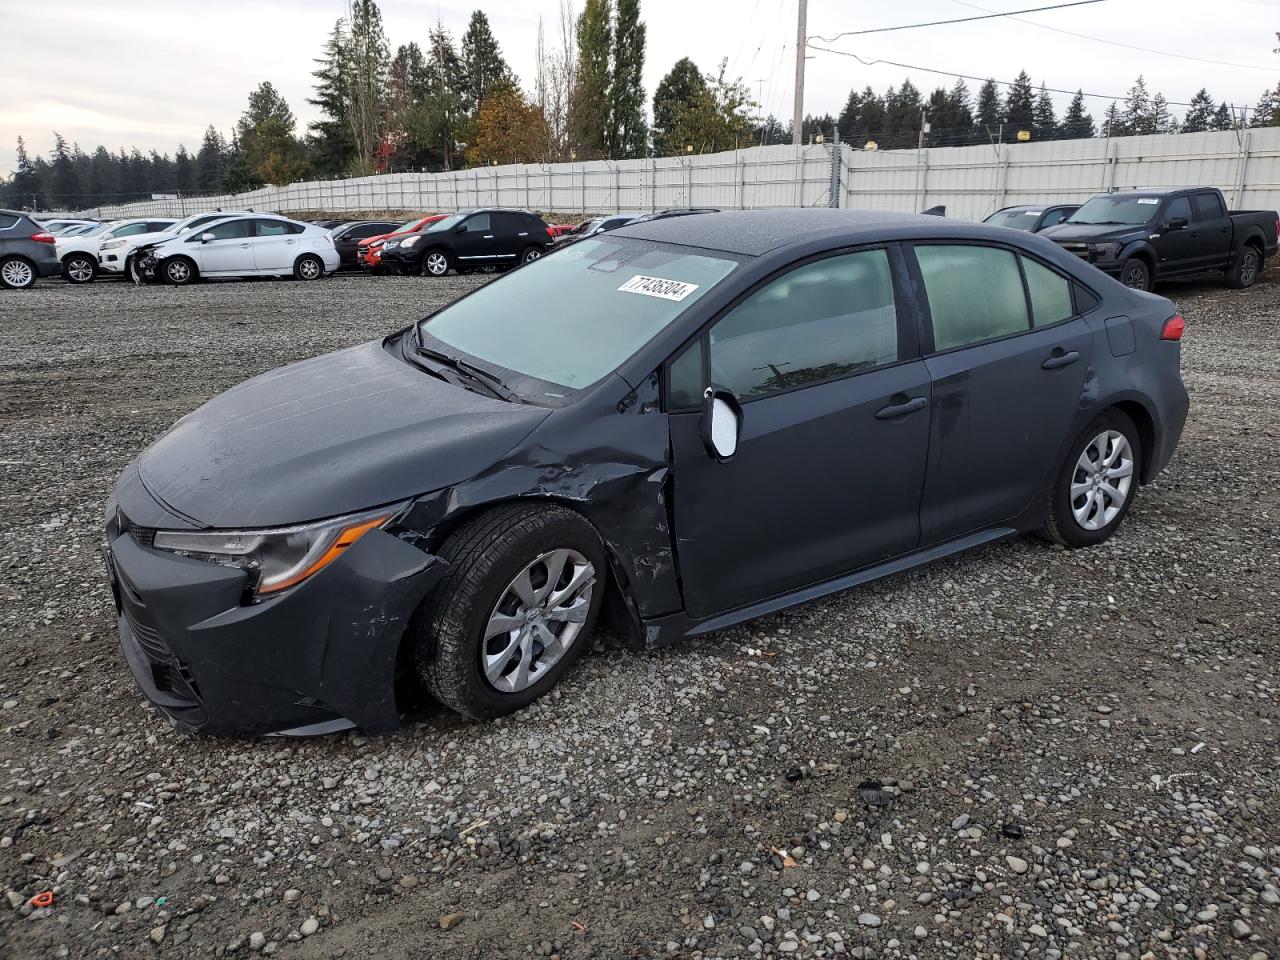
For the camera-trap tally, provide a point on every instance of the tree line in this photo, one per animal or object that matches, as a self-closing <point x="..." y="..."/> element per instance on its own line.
<point x="448" y="103"/>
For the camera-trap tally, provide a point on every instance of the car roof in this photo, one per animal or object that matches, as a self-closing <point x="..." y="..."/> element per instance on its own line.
<point x="756" y="232"/>
<point x="1034" y="206"/>
<point x="1153" y="191"/>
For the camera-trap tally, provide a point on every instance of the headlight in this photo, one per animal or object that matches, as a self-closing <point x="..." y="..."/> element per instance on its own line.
<point x="279" y="558"/>
<point x="409" y="241"/>
<point x="114" y="244"/>
<point x="1107" y="251"/>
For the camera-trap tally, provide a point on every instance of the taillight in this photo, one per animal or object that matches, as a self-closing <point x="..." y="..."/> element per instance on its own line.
<point x="550" y="235"/>
<point x="1173" y="328"/>
<point x="43" y="238"/>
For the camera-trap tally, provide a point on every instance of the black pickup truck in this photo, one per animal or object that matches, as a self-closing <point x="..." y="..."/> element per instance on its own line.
<point x="1140" y="236"/>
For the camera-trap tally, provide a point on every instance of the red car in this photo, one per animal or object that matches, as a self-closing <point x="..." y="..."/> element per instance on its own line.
<point x="369" y="250"/>
<point x="558" y="230"/>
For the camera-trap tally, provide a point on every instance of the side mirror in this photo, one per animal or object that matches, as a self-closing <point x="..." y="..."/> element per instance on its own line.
<point x="460" y="228"/>
<point x="206" y="237"/>
<point x="1176" y="223"/>
<point x="721" y="423"/>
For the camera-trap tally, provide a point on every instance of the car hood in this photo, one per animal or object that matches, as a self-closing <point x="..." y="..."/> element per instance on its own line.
<point x="1061" y="232"/>
<point x="341" y="432"/>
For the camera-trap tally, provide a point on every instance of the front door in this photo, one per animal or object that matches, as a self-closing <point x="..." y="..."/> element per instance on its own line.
<point x="475" y="246"/>
<point x="1177" y="250"/>
<point x="835" y="428"/>
<point x="1008" y="366"/>
<point x="230" y="250"/>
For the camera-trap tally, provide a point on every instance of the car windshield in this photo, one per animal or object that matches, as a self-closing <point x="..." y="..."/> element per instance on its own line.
<point x="572" y="319"/>
<point x="407" y="225"/>
<point x="448" y="223"/>
<point x="1017" y="219"/>
<point x="1116" y="210"/>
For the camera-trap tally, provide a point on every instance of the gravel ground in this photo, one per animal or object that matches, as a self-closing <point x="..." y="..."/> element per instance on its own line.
<point x="1021" y="752"/>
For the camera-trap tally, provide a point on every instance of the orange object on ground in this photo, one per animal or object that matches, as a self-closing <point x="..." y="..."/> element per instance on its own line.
<point x="44" y="899"/>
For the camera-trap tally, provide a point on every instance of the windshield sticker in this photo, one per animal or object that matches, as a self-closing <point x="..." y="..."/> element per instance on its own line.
<point x="1148" y="200"/>
<point x="1032" y="213"/>
<point x="658" y="287"/>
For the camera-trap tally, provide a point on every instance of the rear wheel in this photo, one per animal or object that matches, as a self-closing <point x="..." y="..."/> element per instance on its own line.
<point x="530" y="254"/>
<point x="79" y="268"/>
<point x="435" y="263"/>
<point x="17" y="273"/>
<point x="1135" y="273"/>
<point x="308" y="267"/>
<point x="178" y="271"/>
<point x="515" y="610"/>
<point x="1245" y="269"/>
<point x="1096" y="483"/>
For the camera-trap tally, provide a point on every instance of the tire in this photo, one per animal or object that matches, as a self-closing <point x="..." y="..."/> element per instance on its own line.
<point x="1092" y="516"/>
<point x="436" y="263"/>
<point x="179" y="271"/>
<point x="1245" y="268"/>
<point x="486" y="556"/>
<point x="17" y="273"/>
<point x="531" y="253"/>
<point x="1136" y="274"/>
<point x="79" y="268"/>
<point x="308" y="267"/>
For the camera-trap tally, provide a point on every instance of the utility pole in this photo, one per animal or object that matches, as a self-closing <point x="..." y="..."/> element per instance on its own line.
<point x="797" y="118"/>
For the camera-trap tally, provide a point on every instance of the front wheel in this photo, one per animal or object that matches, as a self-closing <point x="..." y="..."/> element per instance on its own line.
<point x="435" y="263"/>
<point x="308" y="267"/>
<point x="1245" y="269"/>
<point x="1096" y="484"/>
<point x="17" y="274"/>
<point x="79" y="268"/>
<point x="515" y="610"/>
<point x="1136" y="274"/>
<point x="178" y="271"/>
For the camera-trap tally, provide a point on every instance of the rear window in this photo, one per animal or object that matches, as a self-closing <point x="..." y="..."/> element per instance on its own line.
<point x="7" y="221"/>
<point x="572" y="319"/>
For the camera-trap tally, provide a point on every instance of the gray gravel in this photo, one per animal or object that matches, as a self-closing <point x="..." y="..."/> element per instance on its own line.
<point x="1022" y="752"/>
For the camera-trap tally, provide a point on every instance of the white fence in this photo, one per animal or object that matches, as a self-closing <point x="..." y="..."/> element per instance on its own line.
<point x="970" y="181"/>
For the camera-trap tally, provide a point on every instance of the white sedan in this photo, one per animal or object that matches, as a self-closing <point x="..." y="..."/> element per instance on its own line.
<point x="256" y="245"/>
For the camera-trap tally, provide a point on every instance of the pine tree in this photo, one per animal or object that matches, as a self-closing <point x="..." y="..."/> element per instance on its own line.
<point x="902" y="116"/>
<point x="269" y="150"/>
<point x="682" y="85"/>
<point x="211" y="163"/>
<point x="24" y="187"/>
<point x="1161" y="120"/>
<point x="483" y="67"/>
<point x="1077" y="123"/>
<point x="960" y="116"/>
<point x="184" y="174"/>
<point x="1137" y="110"/>
<point x="1113" y="122"/>
<point x="989" y="113"/>
<point x="627" y="132"/>
<point x="332" y="148"/>
<point x="368" y="60"/>
<point x="435" y="123"/>
<point x="65" y="185"/>
<point x="1222" y="118"/>
<point x="1019" y="107"/>
<point x="103" y="182"/>
<point x="1200" y="114"/>
<point x="1046" y="122"/>
<point x="1267" y="111"/>
<point x="589" y="113"/>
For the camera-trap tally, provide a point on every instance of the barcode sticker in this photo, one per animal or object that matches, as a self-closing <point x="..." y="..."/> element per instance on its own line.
<point x="658" y="287"/>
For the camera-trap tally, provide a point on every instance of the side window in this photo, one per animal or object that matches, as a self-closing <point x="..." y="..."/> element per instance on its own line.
<point x="231" y="230"/>
<point x="271" y="228"/>
<point x="1054" y="216"/>
<point x="826" y="319"/>
<point x="295" y="228"/>
<point x="1178" y="207"/>
<point x="1050" y="294"/>
<point x="159" y="226"/>
<point x="507" y="224"/>
<point x="7" y="221"/>
<point x="478" y="224"/>
<point x="684" y="379"/>
<point x="975" y="293"/>
<point x="1208" y="206"/>
<point x="129" y="230"/>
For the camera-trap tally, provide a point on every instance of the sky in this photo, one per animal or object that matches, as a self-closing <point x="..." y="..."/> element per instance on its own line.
<point x="155" y="75"/>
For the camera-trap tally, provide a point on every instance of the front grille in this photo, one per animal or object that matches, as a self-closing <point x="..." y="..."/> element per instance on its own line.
<point x="168" y="673"/>
<point x="1081" y="250"/>
<point x="145" y="536"/>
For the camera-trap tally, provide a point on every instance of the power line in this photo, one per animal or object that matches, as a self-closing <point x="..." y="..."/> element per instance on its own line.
<point x="1127" y="46"/>
<point x="966" y="76"/>
<point x="939" y="23"/>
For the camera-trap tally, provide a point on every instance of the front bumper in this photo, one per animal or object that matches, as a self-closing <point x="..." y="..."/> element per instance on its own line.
<point x="322" y="656"/>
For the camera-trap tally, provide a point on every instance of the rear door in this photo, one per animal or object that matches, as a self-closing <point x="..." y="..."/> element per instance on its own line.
<point x="1212" y="229"/>
<point x="1007" y="358"/>
<point x="8" y="231"/>
<point x="835" y="428"/>
<point x="275" y="245"/>
<point x="229" y="252"/>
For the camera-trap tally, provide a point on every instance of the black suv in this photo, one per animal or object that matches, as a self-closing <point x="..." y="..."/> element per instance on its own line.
<point x="470" y="240"/>
<point x="26" y="251"/>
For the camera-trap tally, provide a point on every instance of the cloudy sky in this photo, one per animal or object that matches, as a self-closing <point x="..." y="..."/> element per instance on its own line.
<point x="155" y="75"/>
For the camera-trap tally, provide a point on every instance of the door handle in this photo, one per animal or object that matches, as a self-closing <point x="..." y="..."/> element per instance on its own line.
<point x="901" y="409"/>
<point x="244" y="246"/>
<point x="291" y="241"/>
<point x="1225" y="230"/>
<point x="488" y="236"/>
<point x="1059" y="358"/>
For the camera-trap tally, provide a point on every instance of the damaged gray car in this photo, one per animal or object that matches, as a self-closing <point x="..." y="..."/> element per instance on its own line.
<point x="678" y="425"/>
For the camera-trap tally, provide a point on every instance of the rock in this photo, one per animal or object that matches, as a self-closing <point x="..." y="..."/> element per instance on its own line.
<point x="157" y="934"/>
<point x="309" y="926"/>
<point x="869" y="920"/>
<point x="451" y="920"/>
<point x="292" y="896"/>
<point x="1016" y="864"/>
<point x="1240" y="930"/>
<point x="257" y="940"/>
<point x="960" y="822"/>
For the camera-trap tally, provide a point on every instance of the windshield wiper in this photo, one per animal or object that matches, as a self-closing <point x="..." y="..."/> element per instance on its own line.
<point x="486" y="379"/>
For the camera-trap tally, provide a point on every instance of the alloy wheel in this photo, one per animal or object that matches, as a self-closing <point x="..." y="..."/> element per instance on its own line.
<point x="437" y="263"/>
<point x="1102" y="479"/>
<point x="531" y="255"/>
<point x="17" y="273"/>
<point x="79" y="270"/>
<point x="178" y="271"/>
<point x="1136" y="277"/>
<point x="1249" y="268"/>
<point x="309" y="269"/>
<point x="536" y="620"/>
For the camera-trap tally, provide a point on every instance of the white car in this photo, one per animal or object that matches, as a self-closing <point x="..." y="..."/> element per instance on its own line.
<point x="255" y="245"/>
<point x="55" y="227"/>
<point x="83" y="254"/>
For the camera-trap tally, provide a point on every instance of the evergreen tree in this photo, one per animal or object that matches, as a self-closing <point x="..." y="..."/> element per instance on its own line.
<point x="24" y="187"/>
<point x="483" y="67"/>
<point x="682" y="85"/>
<point x="1200" y="114"/>
<point x="435" y="123"/>
<point x="332" y="146"/>
<point x="64" y="186"/>
<point x="1077" y="123"/>
<point x="1019" y="107"/>
<point x="627" y="132"/>
<point x="103" y="181"/>
<point x="211" y="162"/>
<point x="716" y="118"/>
<point x="1137" y="110"/>
<point x="1113" y="122"/>
<point x="1161" y="120"/>
<point x="184" y="174"/>
<point x="1046" y="122"/>
<point x="589" y="113"/>
<point x="989" y="113"/>
<point x="367" y="61"/>
<point x="902" y="116"/>
<point x="1222" y="118"/>
<point x="270" y="152"/>
<point x="959" y="114"/>
<point x="1267" y="111"/>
